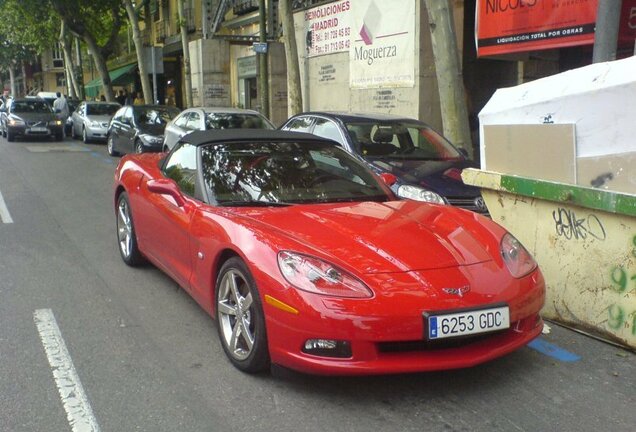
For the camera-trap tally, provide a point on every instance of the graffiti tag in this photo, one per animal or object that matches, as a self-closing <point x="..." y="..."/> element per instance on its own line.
<point x="618" y="318"/>
<point x="568" y="225"/>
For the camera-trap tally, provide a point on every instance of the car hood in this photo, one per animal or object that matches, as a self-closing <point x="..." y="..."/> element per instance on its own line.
<point x="442" y="177"/>
<point x="100" y="118"/>
<point x="34" y="117"/>
<point x="397" y="236"/>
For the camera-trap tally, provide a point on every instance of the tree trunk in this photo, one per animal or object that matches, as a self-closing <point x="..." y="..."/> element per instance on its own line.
<point x="449" y="76"/>
<point x="12" y="80"/>
<point x="139" y="47"/>
<point x="291" y="55"/>
<point x="68" y="62"/>
<point x="102" y="69"/>
<point x="187" y="79"/>
<point x="24" y="77"/>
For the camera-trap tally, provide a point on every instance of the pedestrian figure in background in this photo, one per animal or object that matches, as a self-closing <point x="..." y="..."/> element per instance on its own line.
<point x="60" y="106"/>
<point x="121" y="97"/>
<point x="139" y="99"/>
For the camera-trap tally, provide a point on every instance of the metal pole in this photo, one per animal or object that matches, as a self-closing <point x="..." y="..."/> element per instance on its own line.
<point x="262" y="57"/>
<point x="608" y="16"/>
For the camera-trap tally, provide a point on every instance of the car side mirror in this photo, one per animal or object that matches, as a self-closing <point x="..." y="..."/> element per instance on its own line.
<point x="166" y="187"/>
<point x="388" y="179"/>
<point x="463" y="151"/>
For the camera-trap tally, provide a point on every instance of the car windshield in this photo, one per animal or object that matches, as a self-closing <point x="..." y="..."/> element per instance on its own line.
<point x="38" y="107"/>
<point x="275" y="173"/>
<point x="235" y="121"/>
<point x="154" y="115"/>
<point x="101" y="109"/>
<point x="400" y="140"/>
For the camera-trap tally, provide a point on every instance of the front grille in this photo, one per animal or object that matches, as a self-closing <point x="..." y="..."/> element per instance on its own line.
<point x="468" y="204"/>
<point x="440" y="344"/>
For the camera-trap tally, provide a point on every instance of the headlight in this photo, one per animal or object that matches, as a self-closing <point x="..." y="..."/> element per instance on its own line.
<point x="517" y="258"/>
<point x="56" y="123"/>
<point x="151" y="139"/>
<point x="419" y="194"/>
<point x="15" y="122"/>
<point x="317" y="276"/>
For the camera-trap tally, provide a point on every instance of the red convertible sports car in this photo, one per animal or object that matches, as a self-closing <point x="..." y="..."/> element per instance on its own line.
<point x="307" y="259"/>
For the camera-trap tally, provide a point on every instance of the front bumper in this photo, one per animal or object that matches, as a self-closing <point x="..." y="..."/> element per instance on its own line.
<point x="96" y="132"/>
<point x="37" y="131"/>
<point x="386" y="333"/>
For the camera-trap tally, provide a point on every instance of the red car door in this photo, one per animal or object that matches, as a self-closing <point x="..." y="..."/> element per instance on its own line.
<point x="168" y="206"/>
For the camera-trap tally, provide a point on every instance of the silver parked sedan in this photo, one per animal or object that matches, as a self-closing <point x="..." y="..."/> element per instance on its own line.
<point x="205" y="118"/>
<point x="90" y="120"/>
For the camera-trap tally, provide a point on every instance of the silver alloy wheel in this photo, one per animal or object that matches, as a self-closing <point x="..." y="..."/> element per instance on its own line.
<point x="84" y="135"/>
<point x="109" y="145"/>
<point x="139" y="148"/>
<point x="235" y="315"/>
<point x="124" y="228"/>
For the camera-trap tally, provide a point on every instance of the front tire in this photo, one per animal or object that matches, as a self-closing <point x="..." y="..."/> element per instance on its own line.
<point x="10" y="135"/>
<point x="126" y="236"/>
<point x="139" y="147"/>
<point x="85" y="136"/>
<point x="110" y="146"/>
<point x="240" y="318"/>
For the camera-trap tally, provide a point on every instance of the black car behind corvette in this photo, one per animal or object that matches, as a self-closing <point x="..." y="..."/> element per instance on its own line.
<point x="138" y="128"/>
<point x="427" y="166"/>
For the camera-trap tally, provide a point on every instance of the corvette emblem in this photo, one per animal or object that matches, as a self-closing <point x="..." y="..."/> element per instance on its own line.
<point x="457" y="291"/>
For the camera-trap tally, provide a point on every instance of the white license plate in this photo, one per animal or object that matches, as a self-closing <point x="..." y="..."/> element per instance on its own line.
<point x="38" y="129"/>
<point x="467" y="322"/>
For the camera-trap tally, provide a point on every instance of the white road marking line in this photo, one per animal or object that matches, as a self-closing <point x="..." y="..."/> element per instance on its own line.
<point x="78" y="410"/>
<point x="5" y="216"/>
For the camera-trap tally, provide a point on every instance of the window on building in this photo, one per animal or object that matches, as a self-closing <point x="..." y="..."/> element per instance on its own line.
<point x="58" y="57"/>
<point x="60" y="79"/>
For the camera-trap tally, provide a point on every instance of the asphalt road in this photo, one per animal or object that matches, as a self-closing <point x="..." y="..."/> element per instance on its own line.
<point x="142" y="356"/>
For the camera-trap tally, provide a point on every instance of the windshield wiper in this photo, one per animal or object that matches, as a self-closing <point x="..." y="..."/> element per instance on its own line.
<point x="253" y="204"/>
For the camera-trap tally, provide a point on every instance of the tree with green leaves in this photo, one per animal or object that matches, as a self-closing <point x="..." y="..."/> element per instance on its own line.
<point x="29" y="34"/>
<point x="98" y="24"/>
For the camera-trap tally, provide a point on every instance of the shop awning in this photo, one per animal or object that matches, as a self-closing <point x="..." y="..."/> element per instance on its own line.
<point x="118" y="77"/>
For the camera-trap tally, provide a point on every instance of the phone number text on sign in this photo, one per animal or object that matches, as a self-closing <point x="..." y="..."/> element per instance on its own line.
<point x="328" y="29"/>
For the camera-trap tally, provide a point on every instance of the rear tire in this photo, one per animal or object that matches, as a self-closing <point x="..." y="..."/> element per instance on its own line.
<point x="126" y="236"/>
<point x="240" y="318"/>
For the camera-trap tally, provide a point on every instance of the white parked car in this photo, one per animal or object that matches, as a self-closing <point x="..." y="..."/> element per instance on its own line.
<point x="204" y="118"/>
<point x="90" y="120"/>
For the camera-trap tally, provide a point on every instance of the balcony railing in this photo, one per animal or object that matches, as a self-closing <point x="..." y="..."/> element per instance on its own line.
<point x="242" y="7"/>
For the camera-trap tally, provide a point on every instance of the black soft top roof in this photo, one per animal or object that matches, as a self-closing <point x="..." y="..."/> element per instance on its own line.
<point x="198" y="138"/>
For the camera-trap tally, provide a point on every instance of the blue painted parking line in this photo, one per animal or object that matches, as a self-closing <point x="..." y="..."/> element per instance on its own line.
<point x="553" y="351"/>
<point x="95" y="154"/>
<point x="101" y="158"/>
